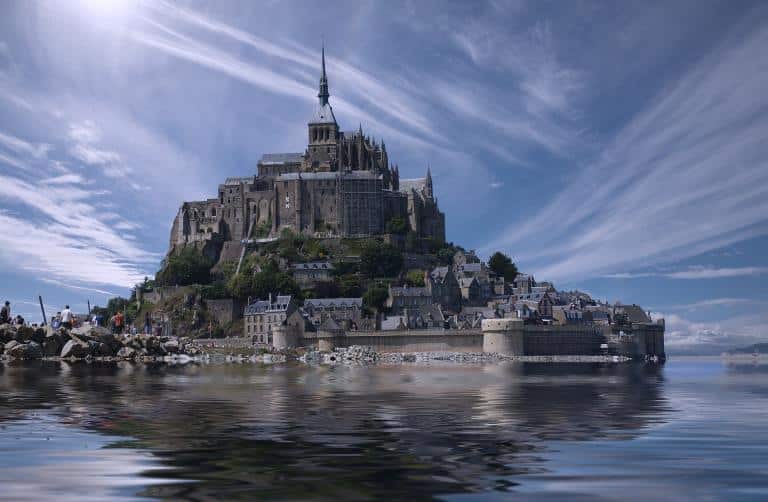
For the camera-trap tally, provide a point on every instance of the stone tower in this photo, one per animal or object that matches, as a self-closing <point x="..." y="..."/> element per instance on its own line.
<point x="323" y="130"/>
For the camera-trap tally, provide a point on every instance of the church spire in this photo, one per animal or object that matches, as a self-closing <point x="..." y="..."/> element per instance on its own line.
<point x="323" y="94"/>
<point x="428" y="184"/>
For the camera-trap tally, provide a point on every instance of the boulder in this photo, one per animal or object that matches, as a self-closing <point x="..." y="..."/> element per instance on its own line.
<point x="127" y="353"/>
<point x="52" y="345"/>
<point x="171" y="346"/>
<point x="31" y="350"/>
<point x="34" y="351"/>
<point x="110" y="341"/>
<point x="23" y="334"/>
<point x="38" y="336"/>
<point x="75" y="348"/>
<point x="101" y="349"/>
<point x="6" y="333"/>
<point x="10" y="345"/>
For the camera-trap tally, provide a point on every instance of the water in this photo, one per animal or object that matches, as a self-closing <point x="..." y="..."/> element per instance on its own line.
<point x="690" y="429"/>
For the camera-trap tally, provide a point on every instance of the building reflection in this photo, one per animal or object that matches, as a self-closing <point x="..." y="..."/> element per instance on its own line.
<point x="283" y="430"/>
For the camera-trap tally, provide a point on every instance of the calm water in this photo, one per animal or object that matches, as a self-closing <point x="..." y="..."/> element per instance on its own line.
<point x="692" y="429"/>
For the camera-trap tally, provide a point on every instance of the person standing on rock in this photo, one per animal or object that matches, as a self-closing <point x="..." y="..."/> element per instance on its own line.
<point x="66" y="317"/>
<point x="117" y="322"/>
<point x="5" y="313"/>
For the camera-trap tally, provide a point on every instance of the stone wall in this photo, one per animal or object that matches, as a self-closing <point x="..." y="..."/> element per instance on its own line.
<point x="225" y="311"/>
<point x="435" y="340"/>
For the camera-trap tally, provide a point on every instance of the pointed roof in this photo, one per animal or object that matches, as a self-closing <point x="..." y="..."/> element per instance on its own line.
<point x="323" y="113"/>
<point x="323" y="94"/>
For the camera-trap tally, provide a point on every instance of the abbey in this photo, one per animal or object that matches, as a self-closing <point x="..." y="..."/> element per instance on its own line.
<point x="342" y="185"/>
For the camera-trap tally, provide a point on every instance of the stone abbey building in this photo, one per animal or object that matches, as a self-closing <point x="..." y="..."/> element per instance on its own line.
<point x="342" y="185"/>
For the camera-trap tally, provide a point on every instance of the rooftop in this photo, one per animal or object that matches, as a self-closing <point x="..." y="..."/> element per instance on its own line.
<point x="281" y="158"/>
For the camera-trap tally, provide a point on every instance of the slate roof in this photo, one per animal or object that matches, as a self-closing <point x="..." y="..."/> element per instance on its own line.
<point x="323" y="115"/>
<point x="406" y="291"/>
<point x="634" y="313"/>
<point x="416" y="184"/>
<point x="314" y="265"/>
<point x="472" y="268"/>
<point x="238" y="180"/>
<point x="439" y="273"/>
<point x="281" y="158"/>
<point x="333" y="302"/>
<point x="280" y="304"/>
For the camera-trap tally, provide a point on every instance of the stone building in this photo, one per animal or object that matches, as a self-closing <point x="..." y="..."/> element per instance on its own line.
<point x="262" y="316"/>
<point x="444" y="287"/>
<point x="343" y="184"/>
<point x="344" y="311"/>
<point x="309" y="274"/>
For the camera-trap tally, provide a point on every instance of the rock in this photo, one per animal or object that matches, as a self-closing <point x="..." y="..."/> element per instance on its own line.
<point x="38" y="335"/>
<point x="17" y="351"/>
<point x="100" y="349"/>
<point x="110" y="341"/>
<point x="9" y="345"/>
<point x="52" y="345"/>
<point x="31" y="350"/>
<point x="75" y="348"/>
<point x="171" y="346"/>
<point x="34" y="351"/>
<point x="23" y="334"/>
<point x="127" y="353"/>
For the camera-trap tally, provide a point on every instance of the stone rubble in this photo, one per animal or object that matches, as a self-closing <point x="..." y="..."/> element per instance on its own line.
<point x="87" y="343"/>
<point x="24" y="342"/>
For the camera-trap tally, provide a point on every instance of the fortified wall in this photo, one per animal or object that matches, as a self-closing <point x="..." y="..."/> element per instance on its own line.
<point x="501" y="336"/>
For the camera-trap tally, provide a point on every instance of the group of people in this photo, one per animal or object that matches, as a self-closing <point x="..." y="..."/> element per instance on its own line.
<point x="64" y="319"/>
<point x="7" y="318"/>
<point x="67" y="319"/>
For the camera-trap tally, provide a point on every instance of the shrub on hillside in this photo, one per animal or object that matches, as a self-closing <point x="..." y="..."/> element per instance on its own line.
<point x="185" y="268"/>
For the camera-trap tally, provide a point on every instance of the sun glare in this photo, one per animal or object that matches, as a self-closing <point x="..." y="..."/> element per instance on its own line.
<point x="109" y="10"/>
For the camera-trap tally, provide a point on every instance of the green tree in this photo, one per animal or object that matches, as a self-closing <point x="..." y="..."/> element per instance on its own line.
<point x="350" y="286"/>
<point x="445" y="256"/>
<point x="503" y="266"/>
<point x="380" y="260"/>
<point x="375" y="297"/>
<point x="185" y="268"/>
<point x="397" y="225"/>
<point x="270" y="279"/>
<point x="415" y="278"/>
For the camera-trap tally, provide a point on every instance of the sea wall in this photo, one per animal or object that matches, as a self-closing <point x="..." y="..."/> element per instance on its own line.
<point x="434" y="340"/>
<point x="499" y="336"/>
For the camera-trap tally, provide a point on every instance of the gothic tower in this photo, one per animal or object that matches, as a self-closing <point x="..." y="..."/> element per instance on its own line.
<point x="323" y="129"/>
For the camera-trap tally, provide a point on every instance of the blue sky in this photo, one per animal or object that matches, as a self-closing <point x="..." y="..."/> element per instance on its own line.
<point x="618" y="148"/>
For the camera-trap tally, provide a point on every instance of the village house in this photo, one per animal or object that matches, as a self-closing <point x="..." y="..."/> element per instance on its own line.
<point x="263" y="315"/>
<point x="307" y="275"/>
<point x="344" y="311"/>
<point x="405" y="297"/>
<point x="444" y="288"/>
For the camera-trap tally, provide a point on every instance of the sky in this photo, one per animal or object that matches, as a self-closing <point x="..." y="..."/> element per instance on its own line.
<point x="618" y="148"/>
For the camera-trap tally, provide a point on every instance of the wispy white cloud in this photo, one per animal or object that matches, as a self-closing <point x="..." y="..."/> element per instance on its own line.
<point x="65" y="239"/>
<point x="81" y="288"/>
<point x="695" y="272"/>
<point x="717" y="273"/>
<point x="64" y="179"/>
<point x="685" y="176"/>
<point x="35" y="150"/>
<point x="715" y="302"/>
<point x="86" y="137"/>
<point x="684" y="336"/>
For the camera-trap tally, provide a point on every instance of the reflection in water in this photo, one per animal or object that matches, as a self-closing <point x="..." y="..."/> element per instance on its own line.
<point x="290" y="431"/>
